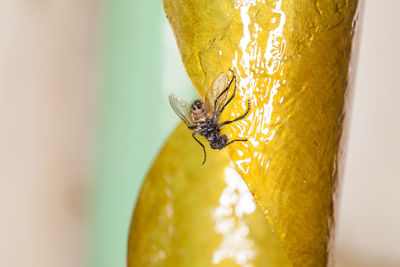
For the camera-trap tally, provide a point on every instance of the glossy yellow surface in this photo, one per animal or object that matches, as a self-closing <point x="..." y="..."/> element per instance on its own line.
<point x="193" y="215"/>
<point x="292" y="62"/>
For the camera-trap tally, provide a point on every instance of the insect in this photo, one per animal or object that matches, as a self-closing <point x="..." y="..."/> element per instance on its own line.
<point x="202" y="117"/>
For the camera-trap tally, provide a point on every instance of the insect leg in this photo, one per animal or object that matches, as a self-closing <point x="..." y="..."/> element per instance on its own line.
<point x="204" y="149"/>
<point x="230" y="99"/>
<point x="237" y="119"/>
<point x="236" y="140"/>
<point x="224" y="91"/>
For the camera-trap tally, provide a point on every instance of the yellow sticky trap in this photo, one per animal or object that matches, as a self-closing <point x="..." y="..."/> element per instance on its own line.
<point x="193" y="215"/>
<point x="292" y="62"/>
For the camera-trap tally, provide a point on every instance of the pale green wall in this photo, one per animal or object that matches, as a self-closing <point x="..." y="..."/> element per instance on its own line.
<point x="139" y="66"/>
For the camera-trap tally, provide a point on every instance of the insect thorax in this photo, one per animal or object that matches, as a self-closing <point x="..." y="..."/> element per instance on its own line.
<point x="199" y="111"/>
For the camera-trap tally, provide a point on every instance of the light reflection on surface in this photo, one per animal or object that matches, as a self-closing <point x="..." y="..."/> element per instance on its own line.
<point x="235" y="201"/>
<point x="256" y="65"/>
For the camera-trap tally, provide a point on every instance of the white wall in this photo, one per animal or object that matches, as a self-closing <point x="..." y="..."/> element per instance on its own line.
<point x="369" y="216"/>
<point x="47" y="60"/>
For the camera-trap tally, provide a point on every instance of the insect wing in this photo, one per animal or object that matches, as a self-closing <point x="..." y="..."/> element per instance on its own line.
<point x="182" y="109"/>
<point x="218" y="86"/>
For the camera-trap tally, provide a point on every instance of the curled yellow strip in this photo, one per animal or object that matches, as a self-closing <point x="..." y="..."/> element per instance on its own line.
<point x="292" y="62"/>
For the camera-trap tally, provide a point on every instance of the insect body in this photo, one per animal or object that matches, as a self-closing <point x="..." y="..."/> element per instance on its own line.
<point x="202" y="117"/>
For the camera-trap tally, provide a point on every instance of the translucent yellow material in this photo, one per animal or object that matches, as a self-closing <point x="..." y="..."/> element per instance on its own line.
<point x="292" y="59"/>
<point x="193" y="215"/>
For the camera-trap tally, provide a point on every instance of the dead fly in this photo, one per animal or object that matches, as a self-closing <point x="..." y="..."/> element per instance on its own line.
<point x="203" y="118"/>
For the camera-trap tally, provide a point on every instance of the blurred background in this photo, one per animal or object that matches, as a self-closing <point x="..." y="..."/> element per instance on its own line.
<point x="84" y="111"/>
